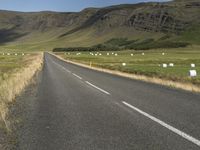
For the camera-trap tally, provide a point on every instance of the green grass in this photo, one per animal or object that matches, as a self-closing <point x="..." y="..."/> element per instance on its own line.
<point x="192" y="35"/>
<point x="11" y="63"/>
<point x="147" y="64"/>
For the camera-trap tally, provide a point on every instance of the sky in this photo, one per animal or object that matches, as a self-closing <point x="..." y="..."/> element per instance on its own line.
<point x="60" y="5"/>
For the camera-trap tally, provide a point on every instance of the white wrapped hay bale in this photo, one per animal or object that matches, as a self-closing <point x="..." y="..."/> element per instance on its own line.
<point x="171" y="65"/>
<point x="131" y="54"/>
<point x="192" y="73"/>
<point x="123" y="64"/>
<point x="193" y="65"/>
<point x="164" y="65"/>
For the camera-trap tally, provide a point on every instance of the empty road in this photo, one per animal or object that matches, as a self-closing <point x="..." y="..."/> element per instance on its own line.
<point x="81" y="109"/>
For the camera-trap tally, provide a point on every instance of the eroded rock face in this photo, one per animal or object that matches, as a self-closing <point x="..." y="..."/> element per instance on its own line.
<point x="157" y="22"/>
<point x="170" y="17"/>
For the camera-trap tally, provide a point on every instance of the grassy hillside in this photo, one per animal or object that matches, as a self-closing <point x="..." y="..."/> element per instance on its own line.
<point x="178" y="20"/>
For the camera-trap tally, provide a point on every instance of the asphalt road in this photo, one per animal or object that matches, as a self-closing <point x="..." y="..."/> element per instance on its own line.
<point x="81" y="109"/>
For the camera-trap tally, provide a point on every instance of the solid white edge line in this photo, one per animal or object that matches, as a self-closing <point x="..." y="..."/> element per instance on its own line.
<point x="97" y="88"/>
<point x="77" y="76"/>
<point x="180" y="133"/>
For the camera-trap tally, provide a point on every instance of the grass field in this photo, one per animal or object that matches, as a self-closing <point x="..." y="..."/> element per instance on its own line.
<point x="11" y="62"/>
<point x="147" y="63"/>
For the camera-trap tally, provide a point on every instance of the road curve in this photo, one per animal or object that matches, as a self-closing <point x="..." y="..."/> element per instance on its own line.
<point x="81" y="109"/>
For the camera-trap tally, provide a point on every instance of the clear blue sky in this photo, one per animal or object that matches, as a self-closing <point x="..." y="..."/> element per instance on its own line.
<point x="60" y="5"/>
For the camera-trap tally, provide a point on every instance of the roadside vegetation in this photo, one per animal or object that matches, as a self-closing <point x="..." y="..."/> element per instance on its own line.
<point x="148" y="63"/>
<point x="16" y="72"/>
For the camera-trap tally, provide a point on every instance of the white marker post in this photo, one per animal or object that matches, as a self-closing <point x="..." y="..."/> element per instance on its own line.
<point x="192" y="73"/>
<point x="90" y="64"/>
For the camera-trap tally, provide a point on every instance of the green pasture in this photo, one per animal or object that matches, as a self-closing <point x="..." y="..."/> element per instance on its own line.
<point x="144" y="62"/>
<point x="10" y="62"/>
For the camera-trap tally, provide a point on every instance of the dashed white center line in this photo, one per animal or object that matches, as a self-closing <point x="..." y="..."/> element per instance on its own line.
<point x="82" y="78"/>
<point x="77" y="76"/>
<point x="178" y="132"/>
<point x="97" y="88"/>
<point x="66" y="70"/>
<point x="62" y="67"/>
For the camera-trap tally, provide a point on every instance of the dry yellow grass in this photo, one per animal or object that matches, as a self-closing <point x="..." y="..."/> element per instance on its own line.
<point x="16" y="82"/>
<point x="179" y="85"/>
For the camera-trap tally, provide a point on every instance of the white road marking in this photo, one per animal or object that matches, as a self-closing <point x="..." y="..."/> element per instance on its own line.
<point x="66" y="70"/>
<point x="97" y="88"/>
<point x="180" y="133"/>
<point x="77" y="76"/>
<point x="61" y="67"/>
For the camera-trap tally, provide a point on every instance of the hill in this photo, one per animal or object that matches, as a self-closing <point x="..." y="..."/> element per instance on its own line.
<point x="177" y="20"/>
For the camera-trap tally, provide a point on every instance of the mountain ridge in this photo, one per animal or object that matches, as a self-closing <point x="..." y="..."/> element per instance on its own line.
<point x="172" y="18"/>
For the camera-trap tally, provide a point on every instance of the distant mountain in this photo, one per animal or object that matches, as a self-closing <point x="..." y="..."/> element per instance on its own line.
<point x="178" y="19"/>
